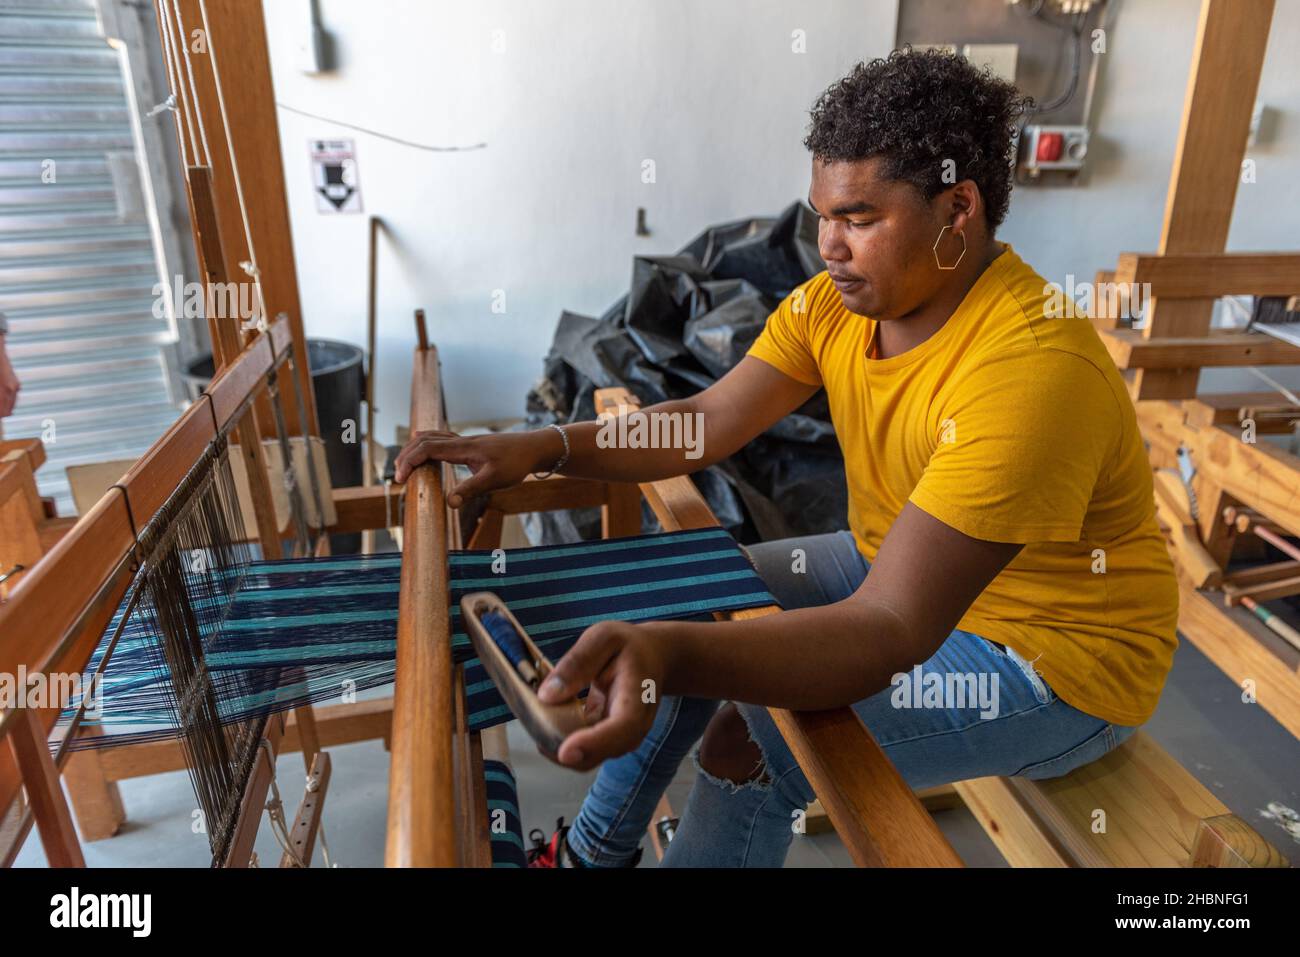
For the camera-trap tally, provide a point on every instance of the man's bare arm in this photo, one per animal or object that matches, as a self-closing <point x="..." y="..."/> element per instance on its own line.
<point x="925" y="577"/>
<point x="741" y="405"/>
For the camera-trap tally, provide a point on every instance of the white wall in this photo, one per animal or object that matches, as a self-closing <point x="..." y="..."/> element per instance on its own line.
<point x="585" y="90"/>
<point x="1136" y="118"/>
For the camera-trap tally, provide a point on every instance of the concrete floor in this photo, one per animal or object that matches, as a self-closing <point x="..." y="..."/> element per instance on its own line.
<point x="1234" y="749"/>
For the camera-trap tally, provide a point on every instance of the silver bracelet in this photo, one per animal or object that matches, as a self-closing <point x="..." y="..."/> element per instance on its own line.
<point x="563" y="458"/>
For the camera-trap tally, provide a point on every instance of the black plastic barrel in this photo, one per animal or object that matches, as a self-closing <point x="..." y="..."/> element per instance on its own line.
<point x="338" y="382"/>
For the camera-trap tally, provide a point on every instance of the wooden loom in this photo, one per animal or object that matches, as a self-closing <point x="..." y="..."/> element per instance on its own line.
<point x="1157" y="813"/>
<point x="1241" y="484"/>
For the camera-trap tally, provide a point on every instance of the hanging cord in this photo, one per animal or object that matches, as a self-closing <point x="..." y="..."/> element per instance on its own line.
<point x="325" y="846"/>
<point x="1073" y="31"/>
<point x="167" y="105"/>
<point x="383" y="136"/>
<point x="275" y="807"/>
<point x="135" y="530"/>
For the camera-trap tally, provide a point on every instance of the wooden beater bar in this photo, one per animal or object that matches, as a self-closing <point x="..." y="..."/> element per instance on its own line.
<point x="421" y="792"/>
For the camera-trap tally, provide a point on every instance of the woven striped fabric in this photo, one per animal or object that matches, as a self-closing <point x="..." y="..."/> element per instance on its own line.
<point x="505" y="826"/>
<point x="321" y="630"/>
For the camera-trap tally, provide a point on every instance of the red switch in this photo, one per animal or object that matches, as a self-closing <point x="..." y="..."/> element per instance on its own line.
<point x="1050" y="146"/>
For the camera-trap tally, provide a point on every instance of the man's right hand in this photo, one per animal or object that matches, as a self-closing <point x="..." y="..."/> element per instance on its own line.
<point x="498" y="460"/>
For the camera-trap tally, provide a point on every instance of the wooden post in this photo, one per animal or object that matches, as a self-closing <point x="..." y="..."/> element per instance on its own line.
<point x="620" y="516"/>
<point x="1226" y="63"/>
<point x="241" y="69"/>
<point x="44" y="792"/>
<point x="422" y="819"/>
<point x="96" y="800"/>
<point x="21" y="518"/>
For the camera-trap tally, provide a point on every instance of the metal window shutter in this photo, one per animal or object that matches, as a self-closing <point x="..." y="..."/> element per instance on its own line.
<point x="77" y="258"/>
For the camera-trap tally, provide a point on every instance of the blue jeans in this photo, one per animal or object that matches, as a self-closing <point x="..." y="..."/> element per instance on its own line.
<point x="1000" y="718"/>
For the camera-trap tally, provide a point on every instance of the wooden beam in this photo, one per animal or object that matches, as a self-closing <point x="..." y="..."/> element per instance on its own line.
<point x="1262" y="574"/>
<point x="1011" y="825"/>
<point x="1130" y="349"/>
<point x="1228" y="841"/>
<point x="487" y="533"/>
<point x="1272" y="413"/>
<point x="96" y="800"/>
<point x="22" y="518"/>
<point x="44" y="792"/>
<point x="306" y="823"/>
<point x="240" y="851"/>
<point x="876" y="815"/>
<point x="556" y="493"/>
<point x="1101" y="313"/>
<point x="359" y="507"/>
<point x="241" y="69"/>
<point x="32" y="449"/>
<point x="1224" y="637"/>
<point x="1231" y="38"/>
<point x="620" y="516"/>
<point x="246" y="374"/>
<point x="1211" y="275"/>
<point x="421" y="794"/>
<point x="335" y="724"/>
<point x="158" y="472"/>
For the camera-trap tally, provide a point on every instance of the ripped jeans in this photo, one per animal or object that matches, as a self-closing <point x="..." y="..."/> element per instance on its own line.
<point x="1011" y="723"/>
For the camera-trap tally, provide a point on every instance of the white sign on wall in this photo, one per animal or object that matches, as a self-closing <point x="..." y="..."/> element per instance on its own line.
<point x="334" y="176"/>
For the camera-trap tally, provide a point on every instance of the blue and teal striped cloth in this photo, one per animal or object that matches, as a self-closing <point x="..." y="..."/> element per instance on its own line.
<point x="505" y="826"/>
<point x="322" y="629"/>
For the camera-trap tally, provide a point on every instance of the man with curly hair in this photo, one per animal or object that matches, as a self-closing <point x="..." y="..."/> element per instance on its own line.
<point x="1002" y="602"/>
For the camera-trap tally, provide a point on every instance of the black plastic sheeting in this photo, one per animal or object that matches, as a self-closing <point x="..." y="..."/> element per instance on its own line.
<point x="687" y="319"/>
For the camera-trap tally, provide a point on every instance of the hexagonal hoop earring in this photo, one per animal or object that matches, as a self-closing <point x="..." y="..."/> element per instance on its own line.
<point x="935" y="248"/>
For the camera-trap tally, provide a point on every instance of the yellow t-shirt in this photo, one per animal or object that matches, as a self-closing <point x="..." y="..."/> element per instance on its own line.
<point x="1010" y="426"/>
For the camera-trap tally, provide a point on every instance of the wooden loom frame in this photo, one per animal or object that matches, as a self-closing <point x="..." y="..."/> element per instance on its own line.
<point x="1183" y="279"/>
<point x="57" y="614"/>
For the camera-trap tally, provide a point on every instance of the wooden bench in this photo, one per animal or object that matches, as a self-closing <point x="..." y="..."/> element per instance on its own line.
<point x="1134" y="807"/>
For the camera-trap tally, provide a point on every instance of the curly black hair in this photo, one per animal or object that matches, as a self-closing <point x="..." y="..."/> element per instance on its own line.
<point x="918" y="109"/>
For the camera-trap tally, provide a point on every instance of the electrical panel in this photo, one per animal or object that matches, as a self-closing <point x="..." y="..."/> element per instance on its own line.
<point x="1051" y="50"/>
<point x="1053" y="148"/>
